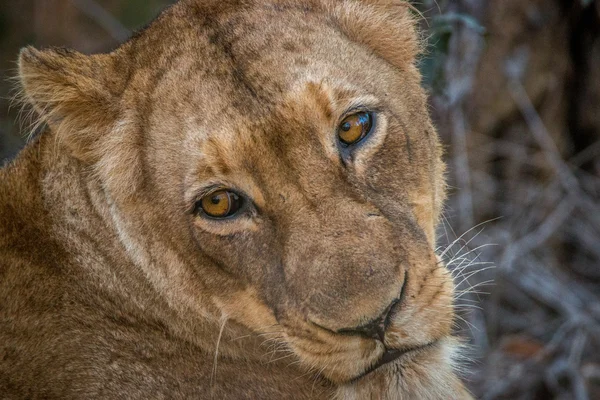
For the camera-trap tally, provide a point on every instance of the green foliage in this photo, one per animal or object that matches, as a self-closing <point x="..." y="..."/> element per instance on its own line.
<point x="432" y="62"/>
<point x="428" y="4"/>
<point x="448" y="21"/>
<point x="3" y="27"/>
<point x="440" y="33"/>
<point x="137" y="13"/>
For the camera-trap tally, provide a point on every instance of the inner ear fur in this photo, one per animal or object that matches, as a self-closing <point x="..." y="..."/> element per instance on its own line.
<point x="75" y="94"/>
<point x="387" y="27"/>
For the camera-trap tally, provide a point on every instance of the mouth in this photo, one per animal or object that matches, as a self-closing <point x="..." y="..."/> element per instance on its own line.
<point x="392" y="355"/>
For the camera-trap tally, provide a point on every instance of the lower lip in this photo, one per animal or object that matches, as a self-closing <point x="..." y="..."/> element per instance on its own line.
<point x="390" y="356"/>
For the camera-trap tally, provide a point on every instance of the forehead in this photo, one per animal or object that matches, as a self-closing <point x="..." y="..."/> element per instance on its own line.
<point x="246" y="59"/>
<point x="229" y="81"/>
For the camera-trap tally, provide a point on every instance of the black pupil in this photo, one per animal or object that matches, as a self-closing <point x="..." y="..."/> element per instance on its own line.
<point x="346" y="126"/>
<point x="227" y="199"/>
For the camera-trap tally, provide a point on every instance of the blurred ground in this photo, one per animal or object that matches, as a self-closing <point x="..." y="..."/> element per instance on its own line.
<point x="515" y="88"/>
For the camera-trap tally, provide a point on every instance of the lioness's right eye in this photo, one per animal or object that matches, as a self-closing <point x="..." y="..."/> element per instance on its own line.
<point x="220" y="204"/>
<point x="355" y="128"/>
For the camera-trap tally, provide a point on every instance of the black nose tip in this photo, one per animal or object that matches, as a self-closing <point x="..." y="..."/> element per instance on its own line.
<point x="374" y="329"/>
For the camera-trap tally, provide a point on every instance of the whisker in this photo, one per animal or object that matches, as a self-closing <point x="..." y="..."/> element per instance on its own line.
<point x="461" y="236"/>
<point x="213" y="376"/>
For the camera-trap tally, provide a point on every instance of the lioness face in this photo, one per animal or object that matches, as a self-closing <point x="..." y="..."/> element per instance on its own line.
<point x="298" y="178"/>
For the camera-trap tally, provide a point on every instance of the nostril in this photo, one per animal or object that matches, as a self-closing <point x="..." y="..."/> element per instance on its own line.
<point x="374" y="329"/>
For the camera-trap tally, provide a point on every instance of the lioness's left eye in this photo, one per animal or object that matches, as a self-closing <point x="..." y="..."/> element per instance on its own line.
<point x="221" y="204"/>
<point x="355" y="127"/>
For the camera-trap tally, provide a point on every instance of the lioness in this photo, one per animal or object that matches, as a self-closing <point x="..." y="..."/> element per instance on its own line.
<point x="237" y="203"/>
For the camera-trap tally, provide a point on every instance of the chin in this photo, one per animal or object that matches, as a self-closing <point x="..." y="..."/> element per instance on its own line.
<point x="423" y="373"/>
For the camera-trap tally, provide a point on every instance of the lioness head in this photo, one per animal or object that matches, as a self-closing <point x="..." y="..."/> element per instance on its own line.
<point x="270" y="163"/>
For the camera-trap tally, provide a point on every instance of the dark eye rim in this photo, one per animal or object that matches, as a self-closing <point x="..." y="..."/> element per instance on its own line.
<point x="198" y="210"/>
<point x="359" y="110"/>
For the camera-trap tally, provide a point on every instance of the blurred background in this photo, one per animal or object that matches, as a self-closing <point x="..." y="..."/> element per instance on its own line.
<point x="515" y="93"/>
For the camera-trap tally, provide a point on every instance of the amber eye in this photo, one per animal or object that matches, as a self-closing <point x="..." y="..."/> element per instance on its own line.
<point x="355" y="127"/>
<point x="221" y="204"/>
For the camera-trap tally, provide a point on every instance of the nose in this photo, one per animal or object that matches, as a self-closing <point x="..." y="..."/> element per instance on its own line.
<point x="374" y="329"/>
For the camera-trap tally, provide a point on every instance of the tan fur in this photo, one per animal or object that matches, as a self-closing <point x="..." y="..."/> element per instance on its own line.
<point x="111" y="286"/>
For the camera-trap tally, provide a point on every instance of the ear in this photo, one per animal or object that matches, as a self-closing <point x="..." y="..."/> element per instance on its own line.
<point x="385" y="26"/>
<point x="75" y="94"/>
